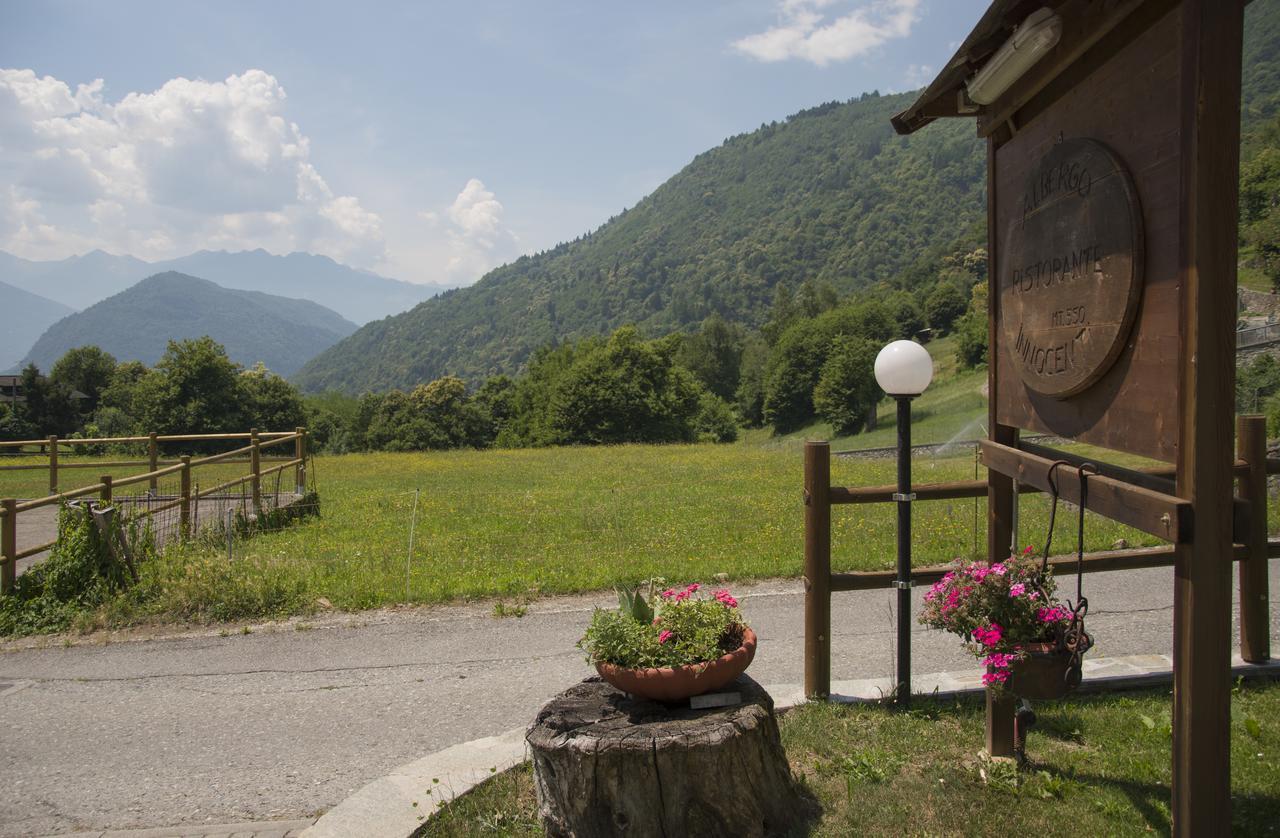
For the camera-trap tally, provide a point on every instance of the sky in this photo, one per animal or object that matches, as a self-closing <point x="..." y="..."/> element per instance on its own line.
<point x="427" y="141"/>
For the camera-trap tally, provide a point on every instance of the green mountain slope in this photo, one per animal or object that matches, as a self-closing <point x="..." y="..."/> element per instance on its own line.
<point x="831" y="193"/>
<point x="26" y="315"/>
<point x="136" y="324"/>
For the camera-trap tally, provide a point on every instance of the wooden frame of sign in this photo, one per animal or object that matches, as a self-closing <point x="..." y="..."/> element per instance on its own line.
<point x="1112" y="204"/>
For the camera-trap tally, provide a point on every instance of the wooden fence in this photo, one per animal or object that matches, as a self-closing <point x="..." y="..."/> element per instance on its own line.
<point x="1252" y="546"/>
<point x="185" y="499"/>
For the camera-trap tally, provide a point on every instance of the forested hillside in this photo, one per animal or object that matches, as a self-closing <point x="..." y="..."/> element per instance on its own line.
<point x="137" y="324"/>
<point x="830" y="194"/>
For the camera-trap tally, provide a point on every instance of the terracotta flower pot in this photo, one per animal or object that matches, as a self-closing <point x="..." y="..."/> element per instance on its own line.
<point x="677" y="683"/>
<point x="1041" y="674"/>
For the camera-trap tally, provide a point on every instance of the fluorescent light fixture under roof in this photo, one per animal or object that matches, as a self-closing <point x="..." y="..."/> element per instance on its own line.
<point x="1038" y="34"/>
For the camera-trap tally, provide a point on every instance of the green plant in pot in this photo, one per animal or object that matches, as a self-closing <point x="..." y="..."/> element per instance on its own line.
<point x="673" y="645"/>
<point x="1007" y="617"/>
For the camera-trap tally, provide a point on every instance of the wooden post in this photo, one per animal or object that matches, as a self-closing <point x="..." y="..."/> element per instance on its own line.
<point x="9" y="545"/>
<point x="184" y="507"/>
<point x="255" y="468"/>
<point x="105" y="494"/>
<point x="1208" y="100"/>
<point x="153" y="456"/>
<point x="817" y="569"/>
<point x="300" y="454"/>
<point x="53" y="465"/>
<point x="1255" y="635"/>
<point x="1002" y="495"/>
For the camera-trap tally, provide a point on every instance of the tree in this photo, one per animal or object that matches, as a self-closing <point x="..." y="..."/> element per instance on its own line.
<point x="87" y="369"/>
<point x="714" y="355"/>
<point x="944" y="305"/>
<point x="792" y="374"/>
<point x="496" y="402"/>
<point x="749" y="397"/>
<point x="624" y="391"/>
<point x="269" y="402"/>
<point x="847" y="393"/>
<point x="46" y="406"/>
<point x="971" y="330"/>
<point x="194" y="389"/>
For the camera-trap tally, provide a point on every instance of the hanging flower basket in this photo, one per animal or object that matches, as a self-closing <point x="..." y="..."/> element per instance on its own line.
<point x="1007" y="617"/>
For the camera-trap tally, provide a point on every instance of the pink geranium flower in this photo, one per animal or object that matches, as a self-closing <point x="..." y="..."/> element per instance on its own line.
<point x="664" y="636"/>
<point x="1017" y="589"/>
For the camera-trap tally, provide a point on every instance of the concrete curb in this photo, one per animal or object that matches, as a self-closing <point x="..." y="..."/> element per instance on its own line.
<point x="398" y="804"/>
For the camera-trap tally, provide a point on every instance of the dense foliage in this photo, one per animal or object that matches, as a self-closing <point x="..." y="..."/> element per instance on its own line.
<point x="194" y="389"/>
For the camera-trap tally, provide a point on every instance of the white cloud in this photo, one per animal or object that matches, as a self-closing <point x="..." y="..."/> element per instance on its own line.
<point x="477" y="238"/>
<point x="807" y="31"/>
<point x="193" y="164"/>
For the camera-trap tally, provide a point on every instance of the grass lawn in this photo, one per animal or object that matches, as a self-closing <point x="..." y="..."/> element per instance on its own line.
<point x="1100" y="766"/>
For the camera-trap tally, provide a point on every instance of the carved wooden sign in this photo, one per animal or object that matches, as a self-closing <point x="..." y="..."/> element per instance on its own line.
<point x="1072" y="271"/>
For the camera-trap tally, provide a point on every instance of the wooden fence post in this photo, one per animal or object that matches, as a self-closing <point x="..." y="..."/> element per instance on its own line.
<point x="106" y="489"/>
<point x="300" y="454"/>
<point x="184" y="506"/>
<point x="153" y="456"/>
<point x="255" y="468"/>
<point x="53" y="465"/>
<point x="1255" y="635"/>
<point x="9" y="545"/>
<point x="817" y="569"/>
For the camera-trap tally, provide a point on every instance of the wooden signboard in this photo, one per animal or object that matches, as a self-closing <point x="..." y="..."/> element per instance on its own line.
<point x="1071" y="273"/>
<point x="1085" y="256"/>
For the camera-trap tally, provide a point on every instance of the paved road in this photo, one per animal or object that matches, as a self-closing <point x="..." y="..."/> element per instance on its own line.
<point x="285" y="722"/>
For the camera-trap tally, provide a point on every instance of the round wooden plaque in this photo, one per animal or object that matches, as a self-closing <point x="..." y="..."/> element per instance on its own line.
<point x="1071" y="275"/>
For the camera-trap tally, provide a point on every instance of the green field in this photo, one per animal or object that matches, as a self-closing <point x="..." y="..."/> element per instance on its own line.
<point x="1100" y="765"/>
<point x="523" y="523"/>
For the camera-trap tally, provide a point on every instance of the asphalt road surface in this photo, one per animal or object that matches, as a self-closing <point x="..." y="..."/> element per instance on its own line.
<point x="286" y="721"/>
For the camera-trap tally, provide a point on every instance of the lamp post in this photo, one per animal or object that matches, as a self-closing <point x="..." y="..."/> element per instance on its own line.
<point x="903" y="370"/>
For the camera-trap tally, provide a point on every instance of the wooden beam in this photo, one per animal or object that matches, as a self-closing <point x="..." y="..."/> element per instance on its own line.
<point x="1103" y="560"/>
<point x="1208" y="101"/>
<point x="1155" y="513"/>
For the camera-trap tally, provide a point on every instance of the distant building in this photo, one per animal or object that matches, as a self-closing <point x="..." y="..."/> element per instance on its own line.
<point x="11" y="390"/>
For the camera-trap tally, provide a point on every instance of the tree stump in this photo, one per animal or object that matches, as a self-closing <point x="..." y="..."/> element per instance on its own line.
<point x="608" y="764"/>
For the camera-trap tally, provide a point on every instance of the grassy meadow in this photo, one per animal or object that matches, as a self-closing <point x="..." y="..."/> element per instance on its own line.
<point x="529" y="522"/>
<point x="1100" y="765"/>
<point x="518" y="524"/>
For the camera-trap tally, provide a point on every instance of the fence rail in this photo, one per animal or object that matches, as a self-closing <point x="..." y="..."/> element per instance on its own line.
<point x="1252" y="547"/>
<point x="1257" y="335"/>
<point x="186" y="499"/>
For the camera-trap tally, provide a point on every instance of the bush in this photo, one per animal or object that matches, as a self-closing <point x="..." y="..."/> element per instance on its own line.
<point x="80" y="573"/>
<point x="715" y="421"/>
<point x="847" y="392"/>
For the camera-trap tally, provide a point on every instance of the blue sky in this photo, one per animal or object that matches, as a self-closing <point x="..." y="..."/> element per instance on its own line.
<point x="427" y="141"/>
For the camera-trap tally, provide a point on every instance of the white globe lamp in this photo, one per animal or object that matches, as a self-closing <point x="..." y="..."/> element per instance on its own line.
<point x="904" y="368"/>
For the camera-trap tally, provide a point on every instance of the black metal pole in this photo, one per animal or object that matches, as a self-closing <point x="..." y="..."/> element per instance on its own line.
<point x="904" y="498"/>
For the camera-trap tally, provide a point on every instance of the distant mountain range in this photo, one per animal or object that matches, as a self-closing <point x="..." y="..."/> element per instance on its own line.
<point x="136" y="324"/>
<point x="360" y="296"/>
<point x="23" y="318"/>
